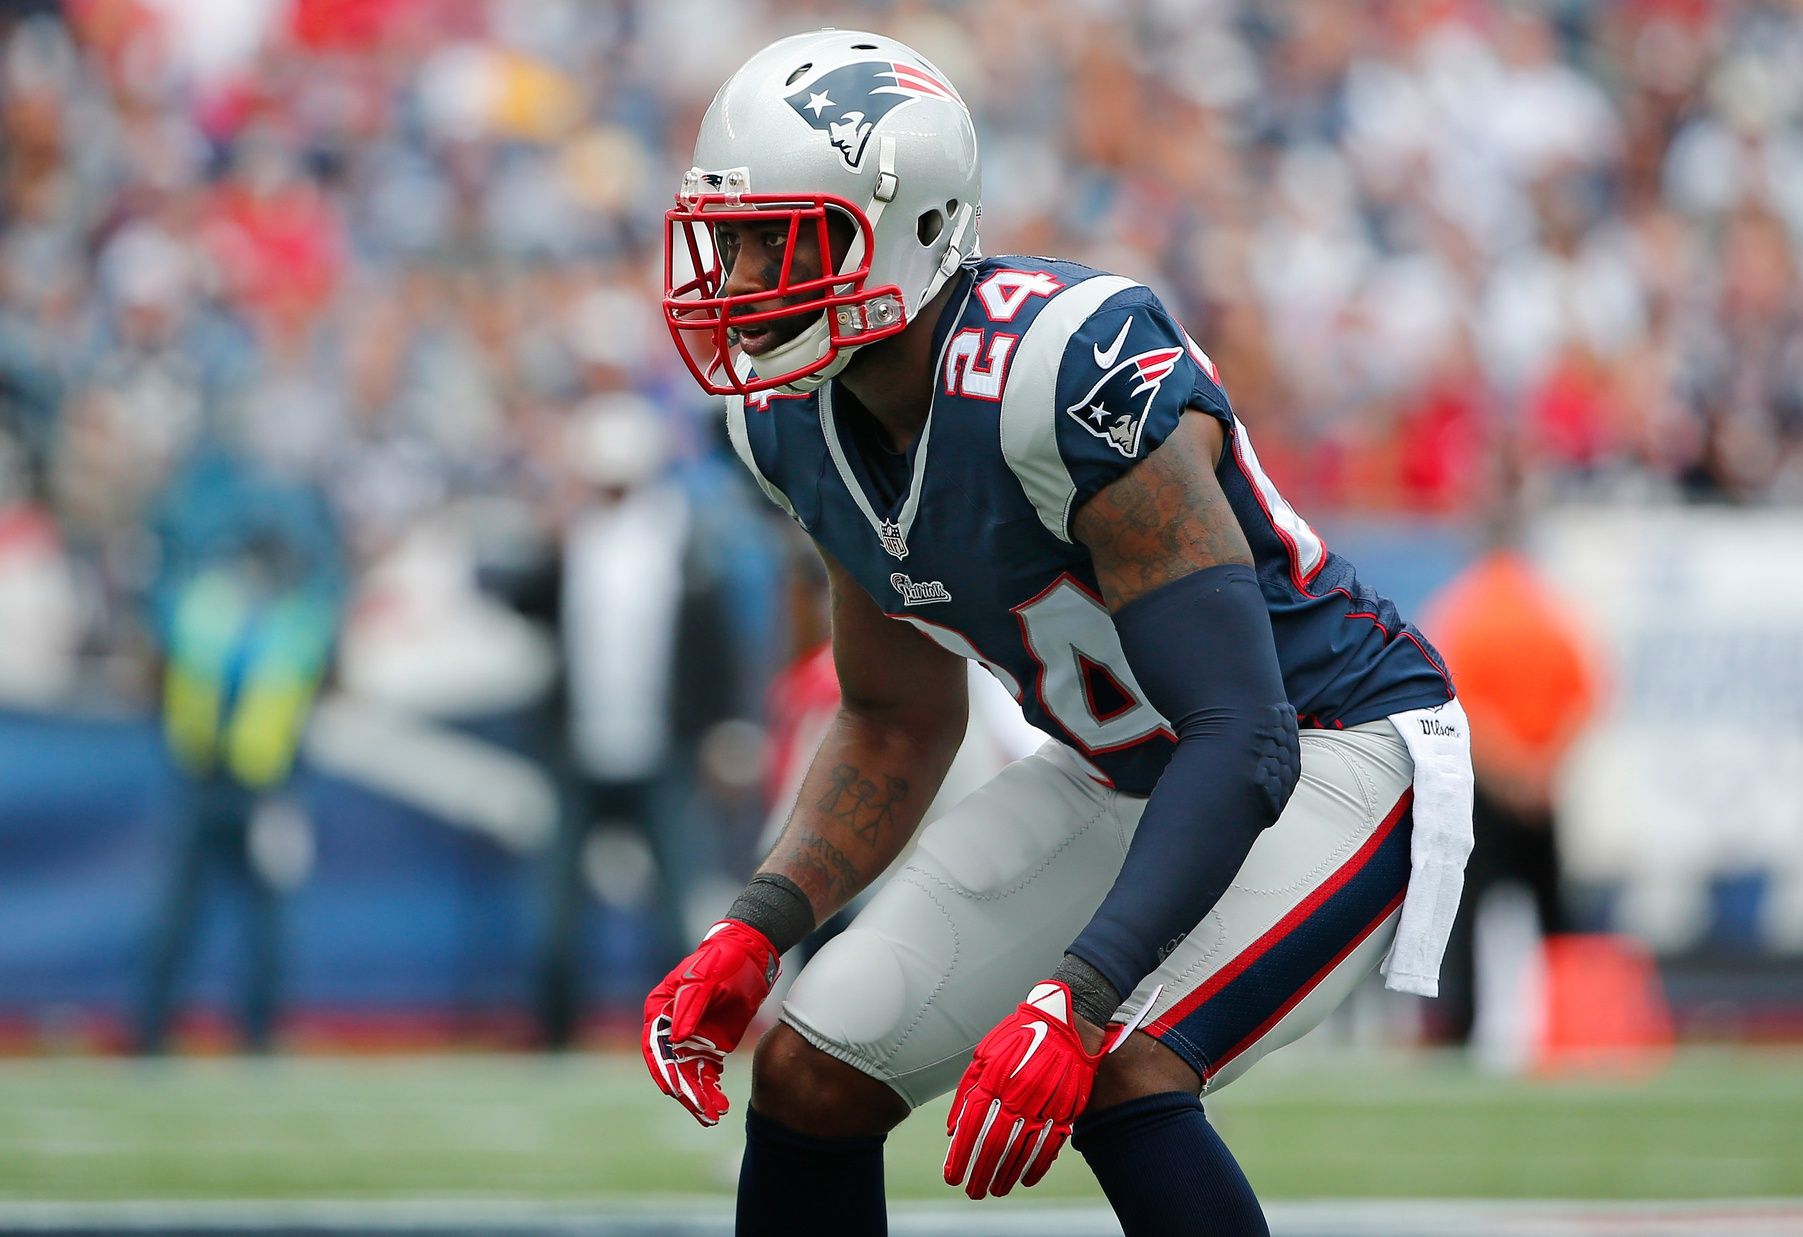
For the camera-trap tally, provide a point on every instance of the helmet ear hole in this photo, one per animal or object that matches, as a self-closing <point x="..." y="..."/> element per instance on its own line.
<point x="929" y="226"/>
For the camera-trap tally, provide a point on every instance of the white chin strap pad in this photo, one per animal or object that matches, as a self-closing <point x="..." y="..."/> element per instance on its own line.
<point x="805" y="348"/>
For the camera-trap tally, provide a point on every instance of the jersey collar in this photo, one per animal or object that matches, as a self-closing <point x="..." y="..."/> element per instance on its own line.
<point x="892" y="534"/>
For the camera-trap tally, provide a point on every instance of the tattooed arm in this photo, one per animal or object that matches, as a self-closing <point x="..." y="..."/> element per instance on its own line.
<point x="1164" y="519"/>
<point x="903" y="704"/>
<point x="901" y="718"/>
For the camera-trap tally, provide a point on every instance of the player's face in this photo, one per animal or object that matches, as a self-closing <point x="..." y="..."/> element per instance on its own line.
<point x="752" y="255"/>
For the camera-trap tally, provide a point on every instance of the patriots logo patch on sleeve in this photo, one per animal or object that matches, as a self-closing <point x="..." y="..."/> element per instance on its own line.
<point x="1115" y="411"/>
<point x="847" y="103"/>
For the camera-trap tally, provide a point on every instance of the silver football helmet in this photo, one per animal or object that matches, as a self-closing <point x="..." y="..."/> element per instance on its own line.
<point x="835" y="125"/>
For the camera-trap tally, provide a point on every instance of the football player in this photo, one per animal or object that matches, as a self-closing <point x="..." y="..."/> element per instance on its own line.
<point x="1258" y="784"/>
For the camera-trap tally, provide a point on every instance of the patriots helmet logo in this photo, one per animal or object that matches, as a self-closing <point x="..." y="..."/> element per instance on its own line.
<point x="847" y="103"/>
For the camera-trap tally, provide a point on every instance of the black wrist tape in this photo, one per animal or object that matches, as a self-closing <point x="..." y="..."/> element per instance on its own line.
<point x="775" y="906"/>
<point x="1094" y="997"/>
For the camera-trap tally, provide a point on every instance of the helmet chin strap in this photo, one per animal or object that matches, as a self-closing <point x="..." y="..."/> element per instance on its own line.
<point x="954" y="257"/>
<point x="812" y="342"/>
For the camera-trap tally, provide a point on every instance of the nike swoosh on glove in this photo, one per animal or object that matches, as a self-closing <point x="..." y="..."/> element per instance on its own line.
<point x="700" y="1011"/>
<point x="1014" y="1106"/>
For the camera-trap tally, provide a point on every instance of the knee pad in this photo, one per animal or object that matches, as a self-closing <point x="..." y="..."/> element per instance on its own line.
<point x="854" y="994"/>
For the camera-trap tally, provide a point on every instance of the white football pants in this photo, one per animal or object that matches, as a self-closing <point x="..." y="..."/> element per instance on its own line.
<point x="1001" y="884"/>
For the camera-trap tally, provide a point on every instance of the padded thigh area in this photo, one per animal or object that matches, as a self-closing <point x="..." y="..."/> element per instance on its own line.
<point x="995" y="891"/>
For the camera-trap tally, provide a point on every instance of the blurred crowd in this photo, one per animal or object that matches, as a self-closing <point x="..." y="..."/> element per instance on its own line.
<point x="331" y="365"/>
<point x="404" y="250"/>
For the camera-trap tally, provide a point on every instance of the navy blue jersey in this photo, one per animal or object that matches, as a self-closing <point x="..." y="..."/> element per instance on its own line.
<point x="1052" y="380"/>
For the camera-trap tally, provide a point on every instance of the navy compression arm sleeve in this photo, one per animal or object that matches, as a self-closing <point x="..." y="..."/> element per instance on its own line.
<point x="1201" y="650"/>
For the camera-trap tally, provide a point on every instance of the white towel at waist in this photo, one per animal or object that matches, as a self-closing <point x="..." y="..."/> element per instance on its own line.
<point x="1439" y="742"/>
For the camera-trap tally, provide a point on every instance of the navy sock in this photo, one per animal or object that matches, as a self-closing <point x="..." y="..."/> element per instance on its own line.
<point x="1166" y="1172"/>
<point x="795" y="1185"/>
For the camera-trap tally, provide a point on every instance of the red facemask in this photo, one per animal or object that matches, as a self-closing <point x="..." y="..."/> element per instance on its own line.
<point x="699" y="314"/>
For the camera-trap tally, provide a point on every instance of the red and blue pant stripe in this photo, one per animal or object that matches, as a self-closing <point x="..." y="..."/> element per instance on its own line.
<point x="1240" y="1003"/>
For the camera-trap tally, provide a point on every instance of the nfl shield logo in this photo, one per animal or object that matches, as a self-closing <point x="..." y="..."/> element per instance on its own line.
<point x="890" y="534"/>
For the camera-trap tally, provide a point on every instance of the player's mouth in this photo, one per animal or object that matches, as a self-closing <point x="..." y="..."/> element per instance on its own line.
<point x="755" y="340"/>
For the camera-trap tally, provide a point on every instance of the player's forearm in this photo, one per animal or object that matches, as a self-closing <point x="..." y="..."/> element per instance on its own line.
<point x="862" y="799"/>
<point x="1233" y="769"/>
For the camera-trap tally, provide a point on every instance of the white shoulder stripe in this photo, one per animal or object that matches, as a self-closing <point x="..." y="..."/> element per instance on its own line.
<point x="1029" y="403"/>
<point x="737" y="434"/>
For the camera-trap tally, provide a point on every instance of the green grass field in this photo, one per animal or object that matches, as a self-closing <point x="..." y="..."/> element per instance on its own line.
<point x="1317" y="1124"/>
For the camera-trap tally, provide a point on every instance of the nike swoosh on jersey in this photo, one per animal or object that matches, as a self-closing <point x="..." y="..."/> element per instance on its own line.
<point x="1106" y="359"/>
<point x="1038" y="1030"/>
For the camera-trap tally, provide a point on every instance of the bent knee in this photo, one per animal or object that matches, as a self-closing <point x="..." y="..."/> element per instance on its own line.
<point x="1142" y="1066"/>
<point x="797" y="1085"/>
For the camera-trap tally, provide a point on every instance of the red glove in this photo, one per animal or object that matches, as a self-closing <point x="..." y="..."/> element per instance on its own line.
<point x="700" y="1011"/>
<point x="1015" y="1104"/>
